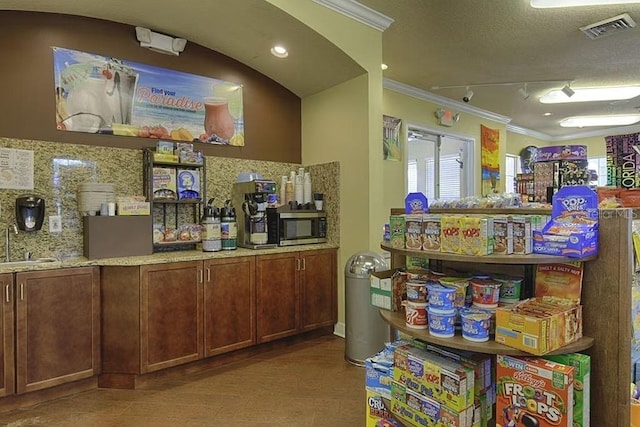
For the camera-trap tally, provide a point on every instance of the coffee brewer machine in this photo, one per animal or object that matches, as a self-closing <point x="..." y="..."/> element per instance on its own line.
<point x="252" y="197"/>
<point x="29" y="212"/>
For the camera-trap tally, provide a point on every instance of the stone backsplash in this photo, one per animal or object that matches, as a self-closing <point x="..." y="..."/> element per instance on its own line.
<point x="59" y="169"/>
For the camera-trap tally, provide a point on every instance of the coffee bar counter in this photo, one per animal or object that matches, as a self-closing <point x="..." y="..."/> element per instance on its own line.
<point x="156" y="258"/>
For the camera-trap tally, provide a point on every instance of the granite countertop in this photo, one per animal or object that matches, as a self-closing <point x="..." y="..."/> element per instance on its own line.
<point x="159" y="258"/>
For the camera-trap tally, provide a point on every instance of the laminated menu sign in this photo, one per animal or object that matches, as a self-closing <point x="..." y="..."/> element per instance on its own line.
<point x="573" y="228"/>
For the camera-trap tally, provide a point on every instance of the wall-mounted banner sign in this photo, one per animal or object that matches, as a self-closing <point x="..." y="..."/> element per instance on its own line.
<point x="98" y="94"/>
<point x="490" y="160"/>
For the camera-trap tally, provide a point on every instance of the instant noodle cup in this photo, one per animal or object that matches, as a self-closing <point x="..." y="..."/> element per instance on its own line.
<point x="441" y="298"/>
<point x="475" y="324"/>
<point x="510" y="289"/>
<point x="441" y="325"/>
<point x="485" y="292"/>
<point x="460" y="285"/>
<point x="417" y="291"/>
<point x="416" y="315"/>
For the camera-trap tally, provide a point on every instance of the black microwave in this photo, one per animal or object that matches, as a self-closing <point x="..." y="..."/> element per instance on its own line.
<point x="296" y="227"/>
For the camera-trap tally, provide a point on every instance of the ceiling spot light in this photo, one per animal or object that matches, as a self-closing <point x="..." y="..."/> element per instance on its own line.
<point x="468" y="95"/>
<point x="547" y="114"/>
<point x="610" y="120"/>
<point x="613" y="93"/>
<point x="568" y="91"/>
<point x="523" y="92"/>
<point x="543" y="4"/>
<point x="279" y="51"/>
<point x="384" y="66"/>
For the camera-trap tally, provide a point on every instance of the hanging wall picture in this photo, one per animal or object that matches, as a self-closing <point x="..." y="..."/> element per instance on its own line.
<point x="490" y="153"/>
<point x="105" y="95"/>
<point x="392" y="149"/>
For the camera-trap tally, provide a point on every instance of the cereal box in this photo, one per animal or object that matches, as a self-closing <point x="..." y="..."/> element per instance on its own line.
<point x="581" y="364"/>
<point x="188" y="184"/>
<point x="522" y="235"/>
<point x="164" y="183"/>
<point x="431" y="230"/>
<point x="450" y="234"/>
<point x="533" y="392"/>
<point x="397" y="228"/>
<point x="377" y="412"/>
<point x="476" y="235"/>
<point x="502" y="235"/>
<point x="415" y="408"/>
<point x="413" y="232"/>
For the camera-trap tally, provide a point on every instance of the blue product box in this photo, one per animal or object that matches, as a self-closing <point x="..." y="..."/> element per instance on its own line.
<point x="188" y="184"/>
<point x="416" y="203"/>
<point x="378" y="378"/>
<point x="573" y="228"/>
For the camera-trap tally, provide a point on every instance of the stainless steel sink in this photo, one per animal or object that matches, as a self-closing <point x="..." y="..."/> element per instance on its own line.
<point x="27" y="263"/>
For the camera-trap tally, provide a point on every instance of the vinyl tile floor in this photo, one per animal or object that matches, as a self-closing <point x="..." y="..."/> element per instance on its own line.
<point x="305" y="384"/>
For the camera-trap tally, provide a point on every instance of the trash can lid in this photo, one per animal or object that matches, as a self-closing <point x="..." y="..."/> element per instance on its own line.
<point x="362" y="264"/>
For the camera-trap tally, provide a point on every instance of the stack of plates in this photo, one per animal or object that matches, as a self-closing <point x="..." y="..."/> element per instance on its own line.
<point x="91" y="195"/>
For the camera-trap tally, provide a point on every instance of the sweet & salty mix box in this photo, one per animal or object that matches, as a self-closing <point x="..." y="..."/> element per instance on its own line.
<point x="533" y="392"/>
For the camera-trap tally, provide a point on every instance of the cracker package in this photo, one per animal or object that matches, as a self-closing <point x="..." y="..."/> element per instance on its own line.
<point x="559" y="280"/>
<point x="533" y="392"/>
<point x="450" y="234"/>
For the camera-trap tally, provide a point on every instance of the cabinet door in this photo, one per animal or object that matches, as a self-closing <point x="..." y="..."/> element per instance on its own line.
<point x="229" y="305"/>
<point x="318" y="302"/>
<point x="170" y="315"/>
<point x="277" y="292"/>
<point x="7" y="369"/>
<point x="57" y="327"/>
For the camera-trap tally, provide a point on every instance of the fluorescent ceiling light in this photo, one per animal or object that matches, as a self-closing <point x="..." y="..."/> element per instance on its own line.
<point x="543" y="4"/>
<point x="558" y="96"/>
<point x="612" y="120"/>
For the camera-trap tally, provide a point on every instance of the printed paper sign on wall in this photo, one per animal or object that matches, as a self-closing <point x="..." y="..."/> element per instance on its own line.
<point x="392" y="149"/>
<point x="98" y="94"/>
<point x="490" y="153"/>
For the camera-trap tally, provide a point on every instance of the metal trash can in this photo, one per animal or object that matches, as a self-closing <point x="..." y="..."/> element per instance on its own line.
<point x="365" y="332"/>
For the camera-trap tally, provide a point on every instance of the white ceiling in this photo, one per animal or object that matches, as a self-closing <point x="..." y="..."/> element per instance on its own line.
<point x="430" y="43"/>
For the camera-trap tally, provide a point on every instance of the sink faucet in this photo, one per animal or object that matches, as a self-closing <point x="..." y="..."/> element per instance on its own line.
<point x="11" y="228"/>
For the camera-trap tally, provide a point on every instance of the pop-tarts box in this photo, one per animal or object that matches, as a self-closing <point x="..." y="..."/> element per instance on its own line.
<point x="379" y="373"/>
<point x="573" y="228"/>
<point x="416" y="203"/>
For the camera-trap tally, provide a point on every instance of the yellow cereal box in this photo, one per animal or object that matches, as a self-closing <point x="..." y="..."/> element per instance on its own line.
<point x="413" y="232"/>
<point x="450" y="234"/>
<point x="476" y="236"/>
<point x="431" y="230"/>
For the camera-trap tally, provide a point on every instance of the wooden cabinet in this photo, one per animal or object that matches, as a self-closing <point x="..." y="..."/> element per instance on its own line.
<point x="57" y="315"/>
<point x="229" y="305"/>
<point x="152" y="317"/>
<point x="296" y="292"/>
<point x="318" y="289"/>
<point x="7" y="370"/>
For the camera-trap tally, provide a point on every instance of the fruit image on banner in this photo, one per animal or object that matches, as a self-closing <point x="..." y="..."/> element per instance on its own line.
<point x="98" y="94"/>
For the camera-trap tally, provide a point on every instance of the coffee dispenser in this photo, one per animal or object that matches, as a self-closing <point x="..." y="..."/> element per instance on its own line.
<point x="29" y="212"/>
<point x="252" y="197"/>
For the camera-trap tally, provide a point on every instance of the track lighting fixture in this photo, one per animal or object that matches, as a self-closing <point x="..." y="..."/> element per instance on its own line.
<point x="568" y="91"/>
<point x="468" y="95"/>
<point x="523" y="92"/>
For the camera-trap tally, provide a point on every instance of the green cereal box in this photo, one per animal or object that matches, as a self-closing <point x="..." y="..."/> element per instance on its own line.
<point x="581" y="364"/>
<point x="397" y="226"/>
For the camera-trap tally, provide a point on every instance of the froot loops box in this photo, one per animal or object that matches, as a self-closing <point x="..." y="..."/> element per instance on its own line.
<point x="533" y="392"/>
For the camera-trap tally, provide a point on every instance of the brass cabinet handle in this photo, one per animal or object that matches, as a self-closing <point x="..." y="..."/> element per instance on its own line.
<point x="304" y="263"/>
<point x="208" y="274"/>
<point x="21" y="291"/>
<point x="201" y="275"/>
<point x="6" y="293"/>
<point x="297" y="264"/>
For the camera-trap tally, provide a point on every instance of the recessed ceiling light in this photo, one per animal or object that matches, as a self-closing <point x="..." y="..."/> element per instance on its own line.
<point x="547" y="114"/>
<point x="611" y="120"/>
<point x="542" y="4"/>
<point x="279" y="51"/>
<point x="558" y="96"/>
<point x="384" y="66"/>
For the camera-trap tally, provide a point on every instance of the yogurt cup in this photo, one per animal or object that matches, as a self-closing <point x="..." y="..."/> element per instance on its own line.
<point x="460" y="285"/>
<point x="486" y="292"/>
<point x="476" y="324"/>
<point x="441" y="325"/>
<point x="416" y="315"/>
<point x="441" y="299"/>
<point x="417" y="291"/>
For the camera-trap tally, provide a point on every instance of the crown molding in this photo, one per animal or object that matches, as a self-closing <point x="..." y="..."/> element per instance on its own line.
<point x="446" y="102"/>
<point x="361" y="13"/>
<point x="529" y="132"/>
